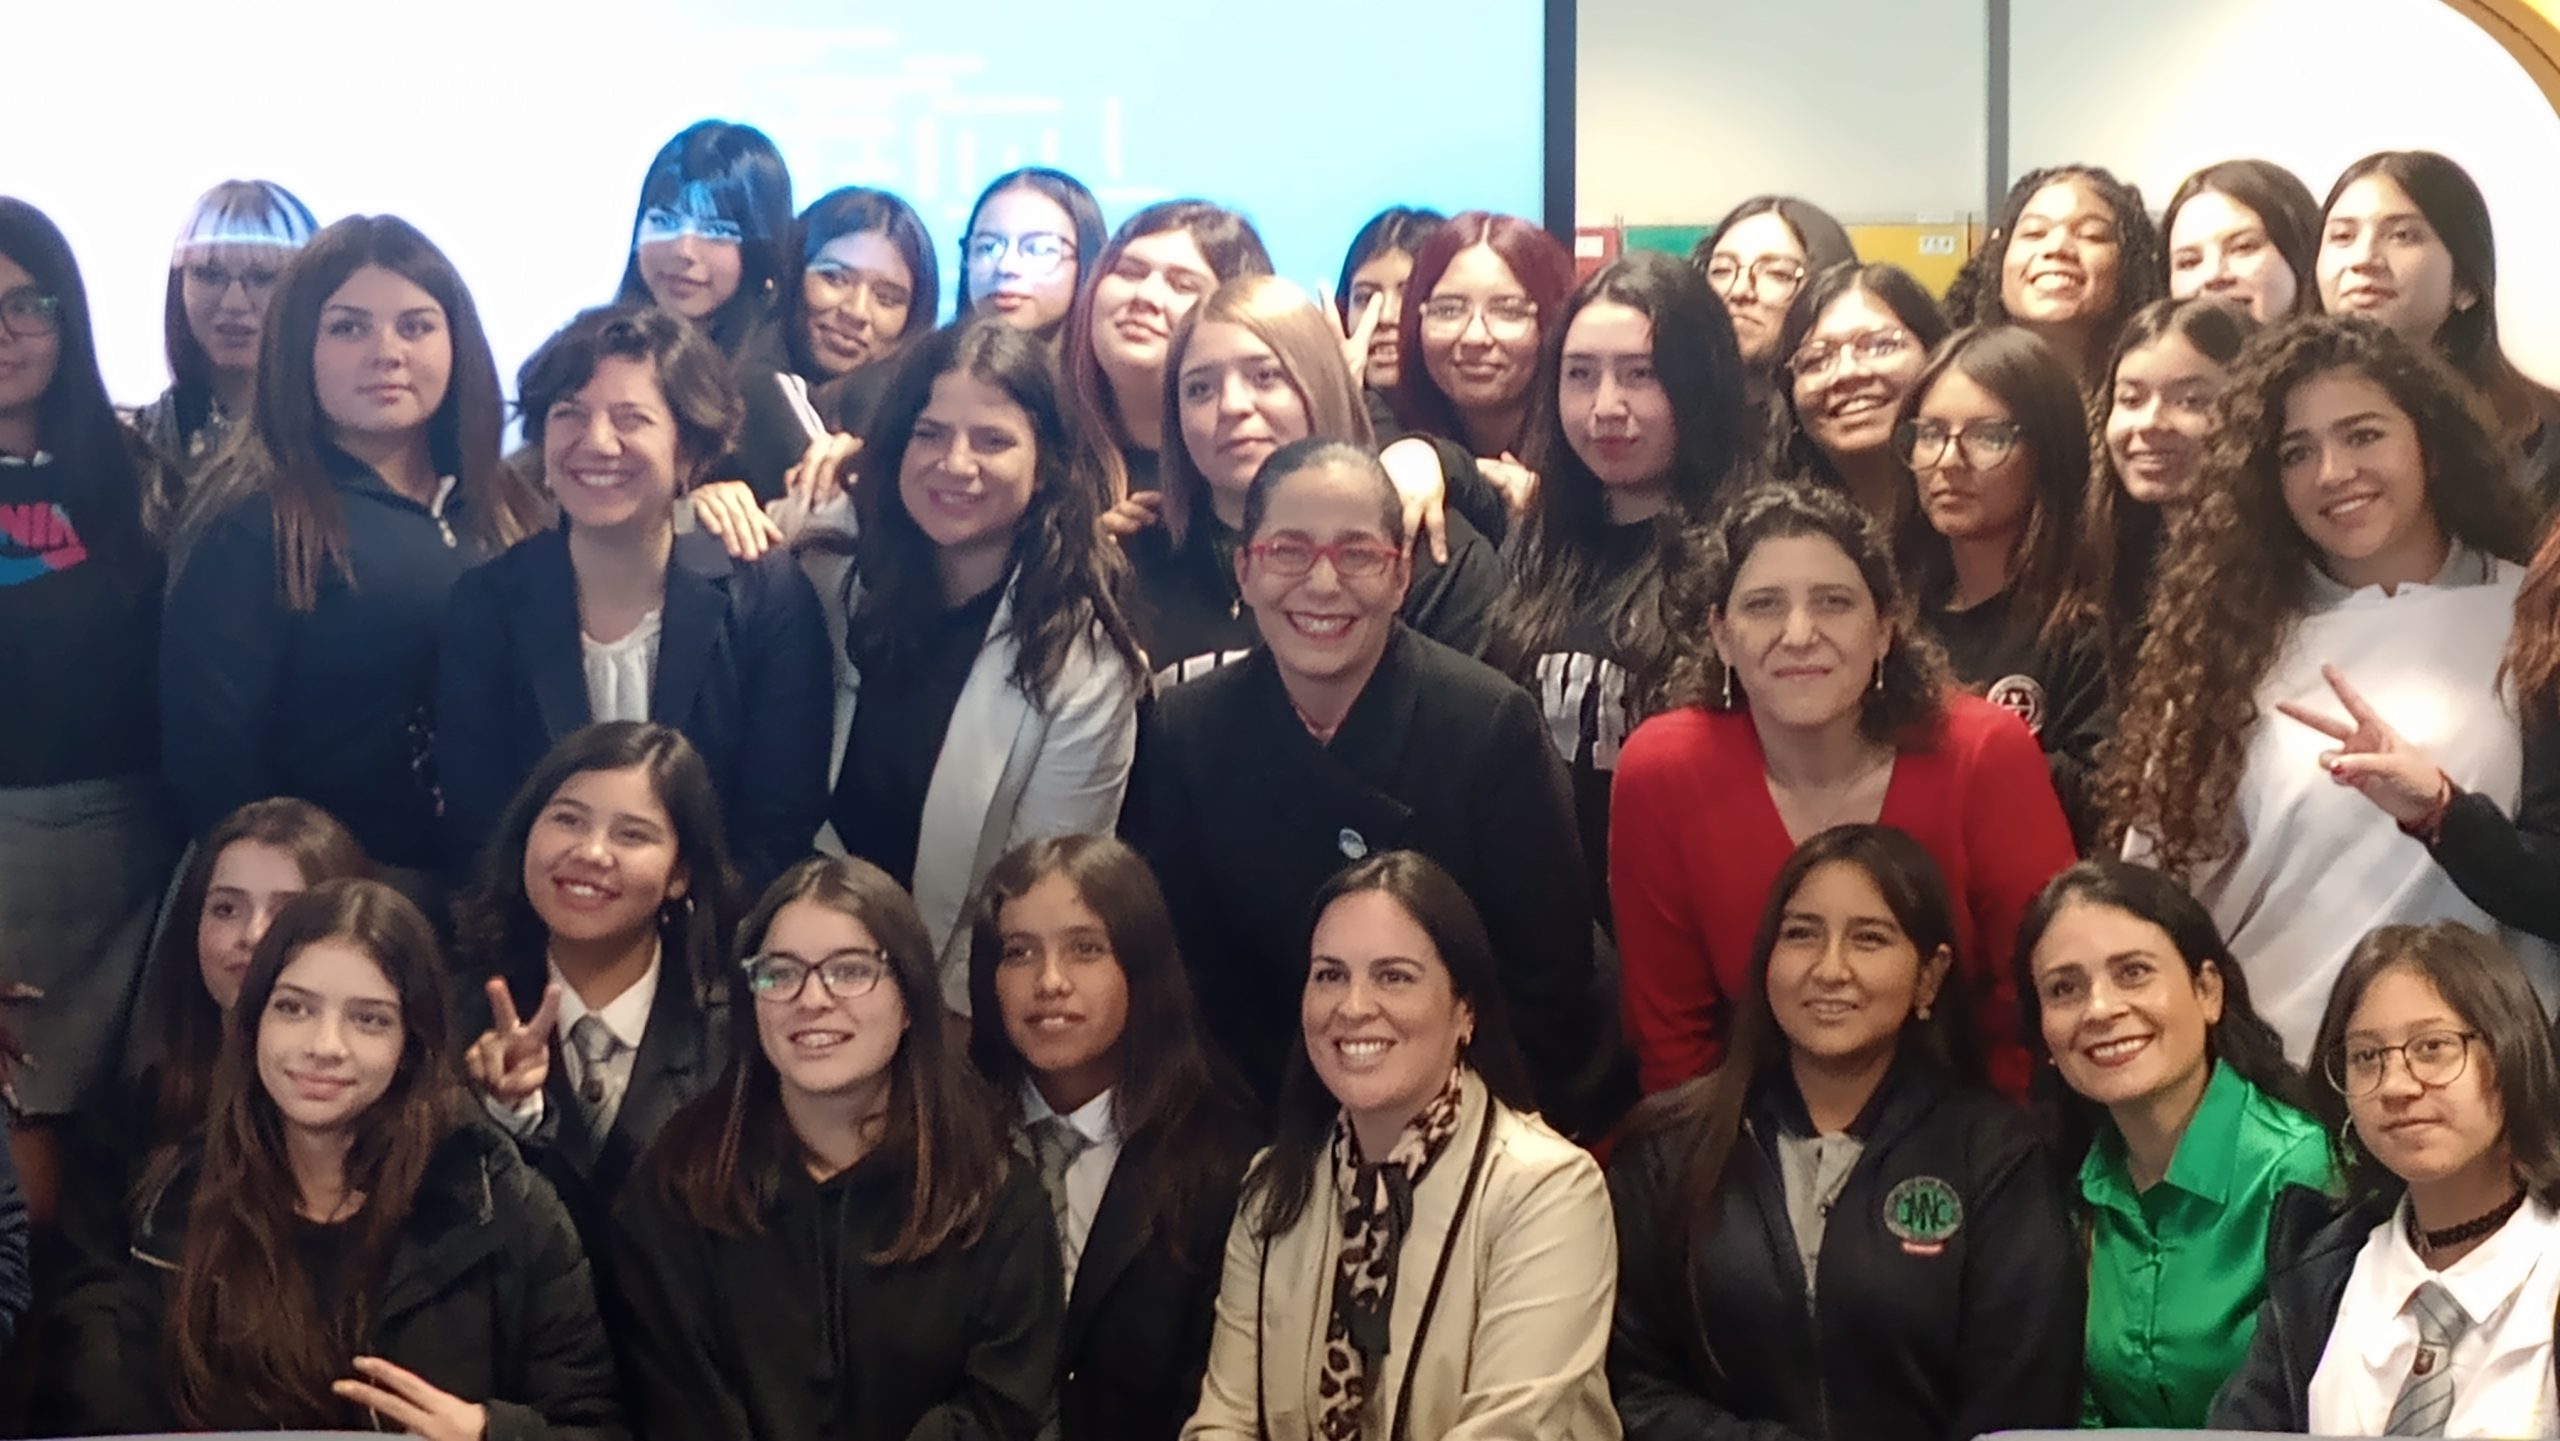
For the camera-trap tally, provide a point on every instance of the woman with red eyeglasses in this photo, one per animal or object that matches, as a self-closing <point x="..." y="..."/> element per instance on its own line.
<point x="1347" y="733"/>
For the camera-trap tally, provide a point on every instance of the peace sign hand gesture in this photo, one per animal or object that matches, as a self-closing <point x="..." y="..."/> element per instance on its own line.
<point x="1357" y="334"/>
<point x="512" y="1059"/>
<point x="409" y="1401"/>
<point x="2372" y="757"/>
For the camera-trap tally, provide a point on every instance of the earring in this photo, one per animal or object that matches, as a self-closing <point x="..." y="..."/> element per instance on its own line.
<point x="1728" y="687"/>
<point x="1879" y="686"/>
<point x="1924" y="1010"/>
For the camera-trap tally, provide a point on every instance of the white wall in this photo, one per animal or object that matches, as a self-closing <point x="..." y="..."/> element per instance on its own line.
<point x="1870" y="108"/>
<point x="2158" y="90"/>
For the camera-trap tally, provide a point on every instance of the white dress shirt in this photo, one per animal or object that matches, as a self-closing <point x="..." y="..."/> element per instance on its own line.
<point x="619" y="673"/>
<point x="2501" y="1366"/>
<point x="1088" y="1175"/>
<point x="626" y="1016"/>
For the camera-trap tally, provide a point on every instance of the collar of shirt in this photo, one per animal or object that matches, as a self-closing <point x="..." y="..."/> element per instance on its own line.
<point x="626" y="1015"/>
<point x="2484" y="1282"/>
<point x="1094" y="1120"/>
<point x="2462" y="566"/>
<point x="2201" y="1166"/>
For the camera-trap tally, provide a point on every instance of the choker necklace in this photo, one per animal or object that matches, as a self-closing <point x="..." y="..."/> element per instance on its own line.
<point x="2429" y="1242"/>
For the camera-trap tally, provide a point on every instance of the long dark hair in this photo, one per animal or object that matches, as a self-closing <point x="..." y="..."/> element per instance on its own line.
<point x="851" y="210"/>
<point x="179" y="1078"/>
<point x="721" y="1159"/>
<point x="1172" y="1101"/>
<point x="2283" y="205"/>
<point x="2141" y="275"/>
<point x="1697" y="583"/>
<point x="738" y="170"/>
<point x="1554" y="560"/>
<point x="1084" y="217"/>
<point x="2488" y="993"/>
<point x="497" y="930"/>
<point x="113" y="476"/>
<point x="1824" y="240"/>
<point x="1398" y="227"/>
<point x="1064" y="574"/>
<point x="1702" y="1119"/>
<point x="249" y="1345"/>
<point x="235" y="212"/>
<point x="279" y="454"/>
<point x="2242" y="1040"/>
<point x="1792" y="453"/>
<point x="1282" y="1180"/>
<point x="1537" y="260"/>
<point x="2236" y="576"/>
<point x="2121" y="552"/>
<point x="2029" y="380"/>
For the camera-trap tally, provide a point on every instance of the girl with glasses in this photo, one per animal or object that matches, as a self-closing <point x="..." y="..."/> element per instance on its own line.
<point x="1998" y="449"/>
<point x="1345" y="733"/>
<point x="2355" y="520"/>
<point x="2073" y="254"/>
<point x="1029" y="248"/>
<point x="1757" y="259"/>
<point x="1853" y="343"/>
<point x="834" y="1239"/>
<point x="223" y="273"/>
<point x="2424" y="1305"/>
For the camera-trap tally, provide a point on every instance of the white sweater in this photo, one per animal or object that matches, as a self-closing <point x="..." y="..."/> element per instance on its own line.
<point x="2315" y="866"/>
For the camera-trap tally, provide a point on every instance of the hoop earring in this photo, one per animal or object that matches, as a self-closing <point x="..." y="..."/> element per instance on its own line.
<point x="2347" y="1136"/>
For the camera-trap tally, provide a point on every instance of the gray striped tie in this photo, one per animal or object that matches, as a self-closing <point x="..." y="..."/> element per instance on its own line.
<point x="2426" y="1399"/>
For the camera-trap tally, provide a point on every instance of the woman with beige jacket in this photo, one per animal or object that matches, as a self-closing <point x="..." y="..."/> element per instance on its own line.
<point x="1457" y="1288"/>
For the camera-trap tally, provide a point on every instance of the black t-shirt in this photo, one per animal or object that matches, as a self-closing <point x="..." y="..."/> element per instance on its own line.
<point x="79" y="640"/>
<point x="2060" y="690"/>
<point x="326" y="1252"/>
<point x="1582" y="682"/>
<point x="896" y="738"/>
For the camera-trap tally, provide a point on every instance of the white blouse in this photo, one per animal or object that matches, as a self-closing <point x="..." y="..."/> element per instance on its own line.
<point x="619" y="672"/>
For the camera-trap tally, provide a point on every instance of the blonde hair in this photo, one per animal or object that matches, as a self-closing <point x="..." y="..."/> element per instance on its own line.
<point x="1309" y="348"/>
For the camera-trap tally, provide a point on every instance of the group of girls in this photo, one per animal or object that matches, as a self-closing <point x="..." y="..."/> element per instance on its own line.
<point x="1685" y="680"/>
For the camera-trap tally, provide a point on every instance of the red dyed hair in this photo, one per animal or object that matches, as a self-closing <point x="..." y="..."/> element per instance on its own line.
<point x="1544" y="268"/>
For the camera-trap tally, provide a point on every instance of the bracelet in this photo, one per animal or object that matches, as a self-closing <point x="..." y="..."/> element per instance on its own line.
<point x="2427" y="828"/>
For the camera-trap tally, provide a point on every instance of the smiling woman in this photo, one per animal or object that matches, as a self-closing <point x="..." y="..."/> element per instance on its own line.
<point x="2073" y="253"/>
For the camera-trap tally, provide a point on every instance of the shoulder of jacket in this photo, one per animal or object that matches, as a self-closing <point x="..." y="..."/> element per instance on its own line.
<point x="1528" y="1155"/>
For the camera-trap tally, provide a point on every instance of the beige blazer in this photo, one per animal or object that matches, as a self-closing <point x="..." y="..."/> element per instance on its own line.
<point x="1514" y="1348"/>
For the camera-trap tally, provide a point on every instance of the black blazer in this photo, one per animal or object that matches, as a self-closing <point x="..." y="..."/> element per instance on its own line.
<point x="1249" y="815"/>
<point x="1942" y="1334"/>
<point x="487" y="1297"/>
<point x="1145" y="1301"/>
<point x="742" y="670"/>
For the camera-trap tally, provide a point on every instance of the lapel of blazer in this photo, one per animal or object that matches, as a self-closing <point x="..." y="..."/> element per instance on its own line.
<point x="1112" y="1244"/>
<point x="994" y="729"/>
<point x="554" y="644"/>
<point x="1324" y="796"/>
<point x="664" y="1070"/>
<point x="699" y="574"/>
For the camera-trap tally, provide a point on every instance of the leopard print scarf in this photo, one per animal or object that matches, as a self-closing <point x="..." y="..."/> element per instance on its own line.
<point x="1377" y="1207"/>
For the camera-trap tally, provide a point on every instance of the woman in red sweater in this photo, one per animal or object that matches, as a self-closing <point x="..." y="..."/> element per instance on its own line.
<point x="1815" y="703"/>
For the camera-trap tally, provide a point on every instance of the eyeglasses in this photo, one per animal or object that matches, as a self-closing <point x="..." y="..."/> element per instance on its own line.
<point x="846" y="975"/>
<point x="1352" y="559"/>
<point x="30" y="314"/>
<point x="1872" y="348"/>
<point x="836" y="283"/>
<point x="258" y="280"/>
<point x="1774" y="278"/>
<point x="2435" y="1058"/>
<point x="1926" y="444"/>
<point x="1506" y="317"/>
<point x="1041" y="251"/>
<point x="659" y="224"/>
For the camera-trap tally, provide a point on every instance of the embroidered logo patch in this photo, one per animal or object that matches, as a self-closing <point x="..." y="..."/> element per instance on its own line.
<point x="2022" y="695"/>
<point x="1924" y="1213"/>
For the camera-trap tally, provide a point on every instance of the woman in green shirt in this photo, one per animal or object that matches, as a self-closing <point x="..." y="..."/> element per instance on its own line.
<point x="2191" y="1121"/>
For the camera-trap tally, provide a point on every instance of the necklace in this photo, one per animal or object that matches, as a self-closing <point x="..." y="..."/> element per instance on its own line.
<point x="2429" y="1242"/>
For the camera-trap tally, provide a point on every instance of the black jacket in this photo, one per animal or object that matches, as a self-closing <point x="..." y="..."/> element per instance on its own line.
<point x="487" y="1297"/>
<point x="793" y="1334"/>
<point x="1936" y="1335"/>
<point x="743" y="670"/>
<point x="1249" y="816"/>
<point x="1136" y="1341"/>
<point x="2511" y="868"/>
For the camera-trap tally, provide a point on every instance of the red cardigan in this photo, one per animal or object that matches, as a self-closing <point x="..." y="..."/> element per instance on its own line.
<point x="1695" y="842"/>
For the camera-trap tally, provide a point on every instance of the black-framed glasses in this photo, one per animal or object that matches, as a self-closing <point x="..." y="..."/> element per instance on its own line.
<point x="1774" y="278"/>
<point x="1872" y="348"/>
<point x="1926" y="444"/>
<point x="30" y="314"/>
<point x="258" y="280"/>
<point x="1291" y="557"/>
<point x="847" y="975"/>
<point x="1041" y="251"/>
<point x="2434" y="1058"/>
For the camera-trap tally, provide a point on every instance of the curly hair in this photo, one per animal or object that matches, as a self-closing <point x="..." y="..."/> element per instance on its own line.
<point x="2227" y="599"/>
<point x="1697" y="583"/>
<point x="2141" y="273"/>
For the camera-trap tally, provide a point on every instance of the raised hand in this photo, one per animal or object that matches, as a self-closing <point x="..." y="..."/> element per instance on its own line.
<point x="1143" y="509"/>
<point x="1415" y="468"/>
<point x="406" y="1400"/>
<point x="729" y="510"/>
<point x="1357" y="336"/>
<point x="512" y="1059"/>
<point x="1516" y="481"/>
<point x="2377" y="760"/>
<point x="819" y="476"/>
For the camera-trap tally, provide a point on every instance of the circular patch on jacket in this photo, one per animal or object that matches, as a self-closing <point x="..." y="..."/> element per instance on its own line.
<point x="1923" y="1213"/>
<point x="2022" y="696"/>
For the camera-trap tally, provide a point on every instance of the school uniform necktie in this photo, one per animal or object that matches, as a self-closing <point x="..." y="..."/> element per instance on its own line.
<point x="2426" y="1399"/>
<point x="1055" y="1145"/>
<point x="596" y="1046"/>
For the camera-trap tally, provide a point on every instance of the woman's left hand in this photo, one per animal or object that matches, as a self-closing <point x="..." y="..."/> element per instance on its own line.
<point x="1357" y="334"/>
<point x="729" y="510"/>
<point x="405" y="1399"/>
<point x="2377" y="760"/>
